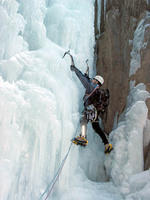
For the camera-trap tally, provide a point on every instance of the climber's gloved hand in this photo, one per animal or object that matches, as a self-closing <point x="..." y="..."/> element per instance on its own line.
<point x="73" y="68"/>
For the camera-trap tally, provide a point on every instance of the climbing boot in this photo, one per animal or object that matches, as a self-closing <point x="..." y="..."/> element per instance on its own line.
<point x="82" y="141"/>
<point x="108" y="148"/>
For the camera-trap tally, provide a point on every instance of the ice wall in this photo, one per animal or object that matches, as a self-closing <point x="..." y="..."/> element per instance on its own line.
<point x="138" y="44"/>
<point x="39" y="104"/>
<point x="126" y="161"/>
<point x="12" y="26"/>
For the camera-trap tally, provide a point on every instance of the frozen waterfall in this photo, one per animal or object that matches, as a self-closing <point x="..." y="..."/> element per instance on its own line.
<point x="41" y="104"/>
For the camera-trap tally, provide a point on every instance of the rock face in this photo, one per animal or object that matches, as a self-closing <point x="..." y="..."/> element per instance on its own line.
<point x="119" y="20"/>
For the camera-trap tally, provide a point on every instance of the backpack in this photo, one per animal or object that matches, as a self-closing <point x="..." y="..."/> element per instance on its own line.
<point x="100" y="100"/>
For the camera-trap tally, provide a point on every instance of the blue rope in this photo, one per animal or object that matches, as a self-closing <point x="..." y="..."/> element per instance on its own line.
<point x="58" y="171"/>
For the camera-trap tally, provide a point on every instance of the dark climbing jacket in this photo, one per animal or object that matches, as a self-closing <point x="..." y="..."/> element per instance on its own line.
<point x="93" y="94"/>
<point x="100" y="100"/>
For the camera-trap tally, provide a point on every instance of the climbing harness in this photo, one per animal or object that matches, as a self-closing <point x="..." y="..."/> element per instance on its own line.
<point x="54" y="180"/>
<point x="91" y="113"/>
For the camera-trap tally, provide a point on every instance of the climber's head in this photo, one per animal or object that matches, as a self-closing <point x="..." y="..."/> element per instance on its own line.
<point x="98" y="79"/>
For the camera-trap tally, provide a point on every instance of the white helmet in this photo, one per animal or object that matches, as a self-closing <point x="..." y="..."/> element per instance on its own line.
<point x="99" y="79"/>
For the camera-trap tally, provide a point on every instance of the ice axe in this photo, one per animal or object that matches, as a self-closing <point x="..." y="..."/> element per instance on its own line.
<point x="68" y="52"/>
<point x="87" y="70"/>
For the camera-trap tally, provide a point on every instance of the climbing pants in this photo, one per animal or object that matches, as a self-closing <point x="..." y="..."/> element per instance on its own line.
<point x="99" y="131"/>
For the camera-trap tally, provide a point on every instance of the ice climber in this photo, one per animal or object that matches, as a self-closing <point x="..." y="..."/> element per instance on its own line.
<point x="92" y="108"/>
<point x="95" y="102"/>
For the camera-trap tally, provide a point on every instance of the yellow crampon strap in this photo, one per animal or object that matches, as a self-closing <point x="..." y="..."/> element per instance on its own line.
<point x="109" y="149"/>
<point x="80" y="142"/>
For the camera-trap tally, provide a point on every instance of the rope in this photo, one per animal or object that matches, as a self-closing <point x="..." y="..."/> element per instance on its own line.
<point x="54" y="180"/>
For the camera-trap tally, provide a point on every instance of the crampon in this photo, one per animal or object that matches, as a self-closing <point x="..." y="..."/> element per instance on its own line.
<point x="108" y="148"/>
<point x="80" y="141"/>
